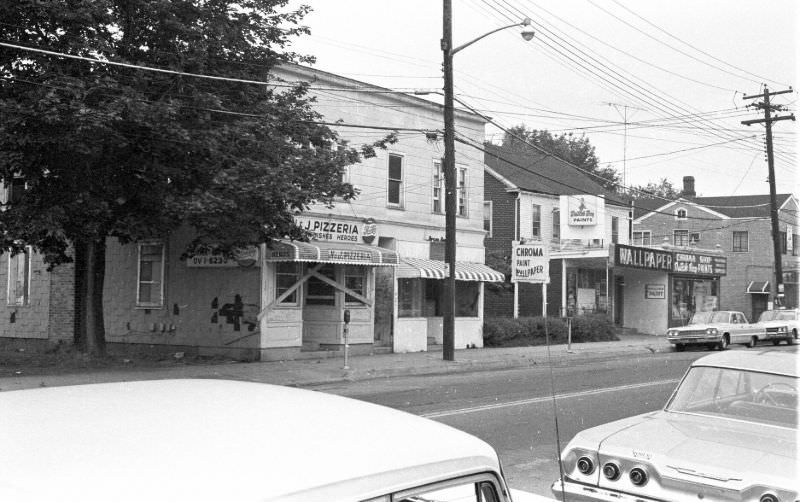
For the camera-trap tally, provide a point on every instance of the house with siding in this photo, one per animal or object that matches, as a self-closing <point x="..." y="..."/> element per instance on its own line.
<point x="370" y="279"/>
<point x="737" y="227"/>
<point x="528" y="197"/>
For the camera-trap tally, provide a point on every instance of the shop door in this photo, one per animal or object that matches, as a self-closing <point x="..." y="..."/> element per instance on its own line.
<point x="759" y="304"/>
<point x="619" y="289"/>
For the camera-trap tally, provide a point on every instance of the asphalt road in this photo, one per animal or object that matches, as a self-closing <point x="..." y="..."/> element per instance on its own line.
<point x="513" y="410"/>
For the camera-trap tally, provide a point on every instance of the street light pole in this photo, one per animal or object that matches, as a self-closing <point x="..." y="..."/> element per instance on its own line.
<point x="450" y="174"/>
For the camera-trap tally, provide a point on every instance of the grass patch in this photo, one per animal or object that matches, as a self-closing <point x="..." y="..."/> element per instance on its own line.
<point x="529" y="331"/>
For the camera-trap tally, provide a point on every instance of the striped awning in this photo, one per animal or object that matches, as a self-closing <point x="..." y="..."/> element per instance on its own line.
<point x="758" y="287"/>
<point x="330" y="252"/>
<point x="435" y="269"/>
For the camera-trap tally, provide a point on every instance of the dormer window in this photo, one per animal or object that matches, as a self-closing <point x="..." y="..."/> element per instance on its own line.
<point x="680" y="214"/>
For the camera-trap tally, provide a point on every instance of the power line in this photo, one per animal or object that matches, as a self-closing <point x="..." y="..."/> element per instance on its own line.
<point x="372" y="90"/>
<point x="760" y="78"/>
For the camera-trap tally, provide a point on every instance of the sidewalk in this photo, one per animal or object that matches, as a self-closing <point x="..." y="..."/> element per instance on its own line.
<point x="305" y="373"/>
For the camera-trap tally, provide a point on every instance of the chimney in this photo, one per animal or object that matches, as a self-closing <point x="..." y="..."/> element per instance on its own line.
<point x="688" y="187"/>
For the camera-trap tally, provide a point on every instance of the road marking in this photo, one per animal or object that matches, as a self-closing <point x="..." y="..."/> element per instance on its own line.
<point x="535" y="400"/>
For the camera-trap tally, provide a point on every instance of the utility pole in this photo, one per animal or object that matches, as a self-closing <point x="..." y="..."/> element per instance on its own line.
<point x="450" y="173"/>
<point x="449" y="306"/>
<point x="773" y="200"/>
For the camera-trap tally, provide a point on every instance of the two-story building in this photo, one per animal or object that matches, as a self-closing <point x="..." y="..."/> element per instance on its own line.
<point x="736" y="227"/>
<point x="372" y="275"/>
<point x="38" y="303"/>
<point x="532" y="197"/>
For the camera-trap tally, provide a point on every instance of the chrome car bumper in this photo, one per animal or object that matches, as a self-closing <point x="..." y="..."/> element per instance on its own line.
<point x="687" y="341"/>
<point x="577" y="492"/>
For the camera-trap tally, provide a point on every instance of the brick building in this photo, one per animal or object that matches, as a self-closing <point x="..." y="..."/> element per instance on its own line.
<point x="738" y="227"/>
<point x="39" y="304"/>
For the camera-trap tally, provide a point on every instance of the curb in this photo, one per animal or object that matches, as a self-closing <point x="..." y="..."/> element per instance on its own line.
<point x="363" y="368"/>
<point x="454" y="367"/>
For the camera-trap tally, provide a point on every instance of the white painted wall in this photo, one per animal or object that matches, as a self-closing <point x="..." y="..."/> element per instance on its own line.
<point x="648" y="316"/>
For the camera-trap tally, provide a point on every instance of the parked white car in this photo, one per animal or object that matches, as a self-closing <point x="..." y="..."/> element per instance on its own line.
<point x="779" y="325"/>
<point x="216" y="440"/>
<point x="715" y="329"/>
<point x="728" y="433"/>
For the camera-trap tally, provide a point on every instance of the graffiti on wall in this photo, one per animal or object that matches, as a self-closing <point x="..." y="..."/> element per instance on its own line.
<point x="237" y="313"/>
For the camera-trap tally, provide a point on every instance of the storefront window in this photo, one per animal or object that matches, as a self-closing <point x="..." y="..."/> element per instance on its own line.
<point x="692" y="295"/>
<point x="285" y="278"/>
<point x="434" y="294"/>
<point x="320" y="292"/>
<point x="354" y="281"/>
<point x="467" y="296"/>
<point x="586" y="291"/>
<point x="409" y="293"/>
<point x="425" y="297"/>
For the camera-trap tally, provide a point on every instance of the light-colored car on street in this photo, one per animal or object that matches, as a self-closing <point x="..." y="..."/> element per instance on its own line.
<point x="728" y="433"/>
<point x="217" y="440"/>
<point x="780" y="325"/>
<point x="715" y="329"/>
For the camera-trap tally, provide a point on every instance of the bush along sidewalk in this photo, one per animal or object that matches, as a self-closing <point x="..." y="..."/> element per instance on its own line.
<point x="528" y="331"/>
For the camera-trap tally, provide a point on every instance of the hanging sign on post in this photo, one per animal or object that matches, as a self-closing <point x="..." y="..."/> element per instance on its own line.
<point x="530" y="263"/>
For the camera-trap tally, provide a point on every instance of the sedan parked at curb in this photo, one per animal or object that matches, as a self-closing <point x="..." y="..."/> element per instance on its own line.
<point x="780" y="325"/>
<point x="728" y="433"/>
<point x="217" y="440"/>
<point x="715" y="329"/>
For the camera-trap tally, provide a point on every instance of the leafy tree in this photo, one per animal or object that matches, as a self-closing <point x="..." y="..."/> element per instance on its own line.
<point x="117" y="151"/>
<point x="575" y="150"/>
<point x="664" y="189"/>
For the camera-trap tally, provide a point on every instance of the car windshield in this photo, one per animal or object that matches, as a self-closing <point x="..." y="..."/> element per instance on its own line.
<point x="777" y="315"/>
<point x="740" y="394"/>
<point x="709" y="317"/>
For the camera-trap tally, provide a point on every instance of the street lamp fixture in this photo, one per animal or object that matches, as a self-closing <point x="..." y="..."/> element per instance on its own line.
<point x="450" y="175"/>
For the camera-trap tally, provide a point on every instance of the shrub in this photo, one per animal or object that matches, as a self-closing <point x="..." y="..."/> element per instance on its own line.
<point x="528" y="331"/>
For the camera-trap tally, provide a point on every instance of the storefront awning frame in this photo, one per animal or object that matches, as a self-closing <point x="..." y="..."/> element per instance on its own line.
<point x="434" y="269"/>
<point x="339" y="253"/>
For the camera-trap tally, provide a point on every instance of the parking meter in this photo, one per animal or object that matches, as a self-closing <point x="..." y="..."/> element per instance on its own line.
<point x="346" y="329"/>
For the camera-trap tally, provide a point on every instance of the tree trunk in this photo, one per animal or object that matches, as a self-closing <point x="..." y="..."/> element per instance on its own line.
<point x="90" y="266"/>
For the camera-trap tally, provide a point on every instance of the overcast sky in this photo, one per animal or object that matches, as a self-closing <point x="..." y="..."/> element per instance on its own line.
<point x="678" y="71"/>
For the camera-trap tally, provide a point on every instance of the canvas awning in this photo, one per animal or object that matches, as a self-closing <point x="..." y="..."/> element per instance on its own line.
<point x="435" y="269"/>
<point x="758" y="288"/>
<point x="330" y="252"/>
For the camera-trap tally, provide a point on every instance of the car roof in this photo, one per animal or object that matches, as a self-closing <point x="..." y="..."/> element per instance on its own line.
<point x="218" y="440"/>
<point x="767" y="361"/>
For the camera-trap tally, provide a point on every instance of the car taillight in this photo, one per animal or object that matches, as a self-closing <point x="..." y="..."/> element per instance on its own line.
<point x="638" y="476"/>
<point x="585" y="465"/>
<point x="611" y="471"/>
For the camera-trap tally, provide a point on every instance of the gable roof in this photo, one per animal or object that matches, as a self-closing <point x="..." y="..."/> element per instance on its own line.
<point x="660" y="206"/>
<point x="732" y="206"/>
<point x="742" y="206"/>
<point x="540" y="173"/>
